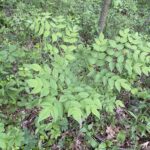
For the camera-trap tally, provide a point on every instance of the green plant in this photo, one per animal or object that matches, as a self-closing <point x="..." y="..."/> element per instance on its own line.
<point x="128" y="14"/>
<point x="118" y="64"/>
<point x="12" y="139"/>
<point x="60" y="89"/>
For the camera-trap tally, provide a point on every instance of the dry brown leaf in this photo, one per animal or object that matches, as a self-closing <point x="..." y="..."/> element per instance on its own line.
<point x="145" y="145"/>
<point x="111" y="132"/>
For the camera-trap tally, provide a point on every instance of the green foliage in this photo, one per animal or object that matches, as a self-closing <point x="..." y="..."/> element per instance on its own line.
<point x="12" y="139"/>
<point x="61" y="87"/>
<point x="128" y="14"/>
<point x="119" y="63"/>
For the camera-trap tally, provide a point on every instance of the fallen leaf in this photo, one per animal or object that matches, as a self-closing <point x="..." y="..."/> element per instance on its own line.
<point x="111" y="132"/>
<point x="145" y="145"/>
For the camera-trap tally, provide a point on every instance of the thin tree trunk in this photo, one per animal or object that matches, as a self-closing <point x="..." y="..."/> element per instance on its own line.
<point x="103" y="15"/>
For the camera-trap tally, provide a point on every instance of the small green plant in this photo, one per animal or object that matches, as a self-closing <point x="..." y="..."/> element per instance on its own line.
<point x="12" y="139"/>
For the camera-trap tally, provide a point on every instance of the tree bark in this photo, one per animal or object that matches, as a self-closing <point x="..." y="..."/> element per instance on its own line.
<point x="103" y="15"/>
